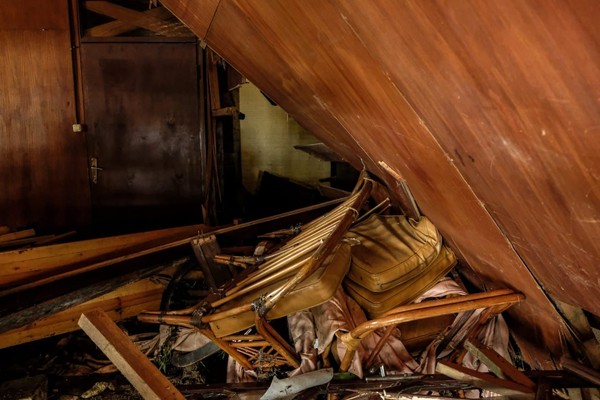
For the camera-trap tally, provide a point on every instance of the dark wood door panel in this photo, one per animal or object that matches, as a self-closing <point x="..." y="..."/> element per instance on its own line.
<point x="142" y="112"/>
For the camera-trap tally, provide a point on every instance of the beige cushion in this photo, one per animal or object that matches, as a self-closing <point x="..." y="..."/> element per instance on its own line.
<point x="376" y="304"/>
<point x="316" y="289"/>
<point x="388" y="251"/>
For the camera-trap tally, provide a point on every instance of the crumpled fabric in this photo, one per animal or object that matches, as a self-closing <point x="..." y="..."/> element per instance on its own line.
<point x="301" y="326"/>
<point x="184" y="339"/>
<point x="342" y="314"/>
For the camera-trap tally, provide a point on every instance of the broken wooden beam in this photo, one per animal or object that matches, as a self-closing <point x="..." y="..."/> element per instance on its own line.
<point x="125" y="355"/>
<point x="64" y="301"/>
<point x="18" y="267"/>
<point x="117" y="27"/>
<point x="39" y="266"/>
<point x="7" y="237"/>
<point x="125" y="302"/>
<point x="129" y="16"/>
<point x="481" y="380"/>
<point x="587" y="373"/>
<point x="497" y="364"/>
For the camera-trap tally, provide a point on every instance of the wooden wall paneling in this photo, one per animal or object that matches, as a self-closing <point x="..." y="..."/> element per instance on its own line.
<point x="308" y="58"/>
<point x="510" y="91"/>
<point x="34" y="15"/>
<point x="43" y="169"/>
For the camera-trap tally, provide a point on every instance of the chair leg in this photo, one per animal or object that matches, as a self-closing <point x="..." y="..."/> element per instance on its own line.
<point x="243" y="361"/>
<point x="276" y="341"/>
<point x="430" y="309"/>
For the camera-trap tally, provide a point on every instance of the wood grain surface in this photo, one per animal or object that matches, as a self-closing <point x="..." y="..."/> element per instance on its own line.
<point x="489" y="111"/>
<point x="43" y="168"/>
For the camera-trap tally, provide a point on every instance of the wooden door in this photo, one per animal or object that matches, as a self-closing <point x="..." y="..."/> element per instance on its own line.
<point x="144" y="135"/>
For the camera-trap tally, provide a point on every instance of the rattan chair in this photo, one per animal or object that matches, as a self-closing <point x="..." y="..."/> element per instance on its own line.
<point x="304" y="273"/>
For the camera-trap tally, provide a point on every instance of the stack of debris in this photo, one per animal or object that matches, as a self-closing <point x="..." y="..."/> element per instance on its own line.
<point x="304" y="302"/>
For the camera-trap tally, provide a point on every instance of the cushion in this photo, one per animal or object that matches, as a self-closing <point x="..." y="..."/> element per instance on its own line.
<point x="388" y="251"/>
<point x="377" y="303"/>
<point x="314" y="290"/>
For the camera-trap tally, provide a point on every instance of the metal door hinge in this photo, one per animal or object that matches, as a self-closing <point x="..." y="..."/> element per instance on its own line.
<point x="94" y="168"/>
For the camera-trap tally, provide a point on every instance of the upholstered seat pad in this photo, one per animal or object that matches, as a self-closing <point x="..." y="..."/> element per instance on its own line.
<point x="390" y="250"/>
<point x="314" y="290"/>
<point x="376" y="304"/>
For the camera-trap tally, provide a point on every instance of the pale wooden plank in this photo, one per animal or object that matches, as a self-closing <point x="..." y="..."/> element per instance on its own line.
<point x="497" y="364"/>
<point x="132" y="363"/>
<point x="483" y="381"/>
<point x="17" y="235"/>
<point x="119" y="304"/>
<point x="20" y="266"/>
<point x="66" y="300"/>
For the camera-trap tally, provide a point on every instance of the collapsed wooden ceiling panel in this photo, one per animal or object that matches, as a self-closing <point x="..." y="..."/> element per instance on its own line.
<point x="488" y="111"/>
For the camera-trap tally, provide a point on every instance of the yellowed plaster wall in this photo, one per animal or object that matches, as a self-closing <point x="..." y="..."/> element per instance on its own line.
<point x="268" y="137"/>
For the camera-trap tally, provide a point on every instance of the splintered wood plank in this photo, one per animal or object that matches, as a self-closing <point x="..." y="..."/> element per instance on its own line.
<point x="587" y="373"/>
<point x="579" y="322"/>
<point x="132" y="363"/>
<point x="78" y="296"/>
<point x="17" y="235"/>
<point x="129" y="16"/>
<point x="481" y="380"/>
<point x="119" y="304"/>
<point x="497" y="364"/>
<point x="22" y="266"/>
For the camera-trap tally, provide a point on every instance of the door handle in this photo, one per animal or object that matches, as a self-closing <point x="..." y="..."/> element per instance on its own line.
<point x="94" y="168"/>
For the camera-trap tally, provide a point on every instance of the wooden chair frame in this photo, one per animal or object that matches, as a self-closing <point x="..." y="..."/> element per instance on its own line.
<point x="493" y="302"/>
<point x="304" y="255"/>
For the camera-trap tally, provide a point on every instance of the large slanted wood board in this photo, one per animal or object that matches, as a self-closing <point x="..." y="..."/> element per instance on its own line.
<point x="312" y="61"/>
<point x="514" y="106"/>
<point x="122" y="303"/>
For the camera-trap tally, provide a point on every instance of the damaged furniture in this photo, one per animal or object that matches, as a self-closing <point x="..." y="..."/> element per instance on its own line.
<point x="493" y="302"/>
<point x="305" y="272"/>
<point x="384" y="262"/>
<point x="394" y="260"/>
